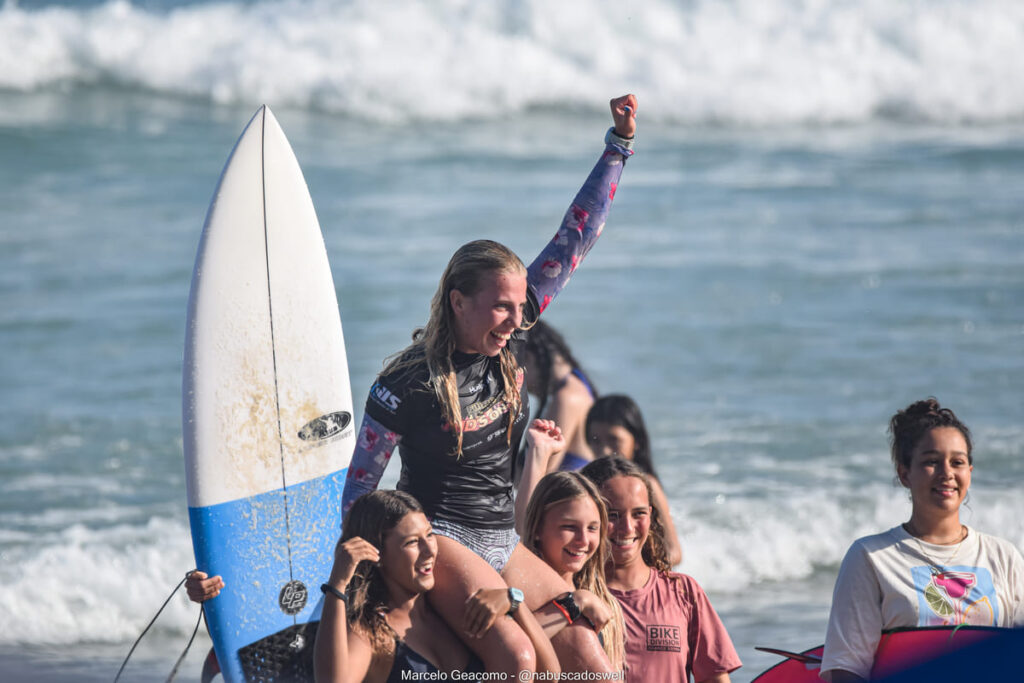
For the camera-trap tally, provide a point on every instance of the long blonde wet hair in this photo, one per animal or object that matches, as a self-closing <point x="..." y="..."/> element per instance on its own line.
<point x="465" y="272"/>
<point x="559" y="487"/>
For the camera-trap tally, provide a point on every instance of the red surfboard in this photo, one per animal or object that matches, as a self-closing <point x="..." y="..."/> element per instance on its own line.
<point x="898" y="651"/>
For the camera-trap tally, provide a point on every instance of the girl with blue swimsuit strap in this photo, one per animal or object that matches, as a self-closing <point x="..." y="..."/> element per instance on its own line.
<point x="564" y="391"/>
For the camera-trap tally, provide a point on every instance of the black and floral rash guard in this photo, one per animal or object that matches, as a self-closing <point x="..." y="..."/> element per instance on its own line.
<point x="475" y="488"/>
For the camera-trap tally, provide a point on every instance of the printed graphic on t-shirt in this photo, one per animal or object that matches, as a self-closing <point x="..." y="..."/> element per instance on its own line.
<point x="958" y="595"/>
<point x="483" y="413"/>
<point x="662" y="638"/>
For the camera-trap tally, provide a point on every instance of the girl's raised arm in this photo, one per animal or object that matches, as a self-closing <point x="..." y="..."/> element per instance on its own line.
<point x="585" y="219"/>
<point x="341" y="655"/>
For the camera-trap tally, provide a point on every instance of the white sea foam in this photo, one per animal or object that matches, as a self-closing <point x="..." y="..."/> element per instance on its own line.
<point x="747" y="62"/>
<point x="95" y="585"/>
<point x="89" y="585"/>
<point x="747" y="514"/>
<point x="739" y="540"/>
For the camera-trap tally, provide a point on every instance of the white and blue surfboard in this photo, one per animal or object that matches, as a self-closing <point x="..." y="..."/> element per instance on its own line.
<point x="267" y="410"/>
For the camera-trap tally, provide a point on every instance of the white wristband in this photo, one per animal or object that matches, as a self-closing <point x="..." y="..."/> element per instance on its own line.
<point x="612" y="138"/>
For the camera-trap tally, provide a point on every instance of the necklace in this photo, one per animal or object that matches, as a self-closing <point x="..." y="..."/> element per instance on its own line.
<point x="934" y="567"/>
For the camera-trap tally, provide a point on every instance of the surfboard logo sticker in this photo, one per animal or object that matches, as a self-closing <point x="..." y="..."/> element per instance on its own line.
<point x="326" y="426"/>
<point x="293" y="597"/>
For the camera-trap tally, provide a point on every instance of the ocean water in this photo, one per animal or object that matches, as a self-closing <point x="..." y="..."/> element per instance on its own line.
<point x="823" y="222"/>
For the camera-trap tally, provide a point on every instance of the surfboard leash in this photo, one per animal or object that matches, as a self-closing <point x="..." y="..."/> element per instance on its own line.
<point x="181" y="658"/>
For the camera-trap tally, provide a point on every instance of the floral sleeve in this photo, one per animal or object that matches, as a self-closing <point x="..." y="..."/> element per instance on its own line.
<point x="580" y="228"/>
<point x="374" y="448"/>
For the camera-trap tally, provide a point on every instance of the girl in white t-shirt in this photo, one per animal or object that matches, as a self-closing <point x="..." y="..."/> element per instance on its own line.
<point x="931" y="570"/>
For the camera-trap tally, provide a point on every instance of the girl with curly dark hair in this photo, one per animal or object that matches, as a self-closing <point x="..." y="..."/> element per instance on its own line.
<point x="932" y="570"/>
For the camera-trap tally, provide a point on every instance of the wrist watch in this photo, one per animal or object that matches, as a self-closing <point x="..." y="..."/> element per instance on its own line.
<point x="569" y="607"/>
<point x="515" y="598"/>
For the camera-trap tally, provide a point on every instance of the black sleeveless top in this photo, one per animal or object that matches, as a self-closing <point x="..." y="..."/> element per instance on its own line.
<point x="407" y="659"/>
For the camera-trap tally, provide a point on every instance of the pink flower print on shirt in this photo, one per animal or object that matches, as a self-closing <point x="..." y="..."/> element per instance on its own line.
<point x="576" y="218"/>
<point x="551" y="269"/>
<point x="544" y="304"/>
<point x="368" y="438"/>
<point x="613" y="153"/>
<point x="611" y="193"/>
<point x="575" y="262"/>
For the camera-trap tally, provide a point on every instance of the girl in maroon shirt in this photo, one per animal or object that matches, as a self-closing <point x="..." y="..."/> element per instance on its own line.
<point x="671" y="629"/>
